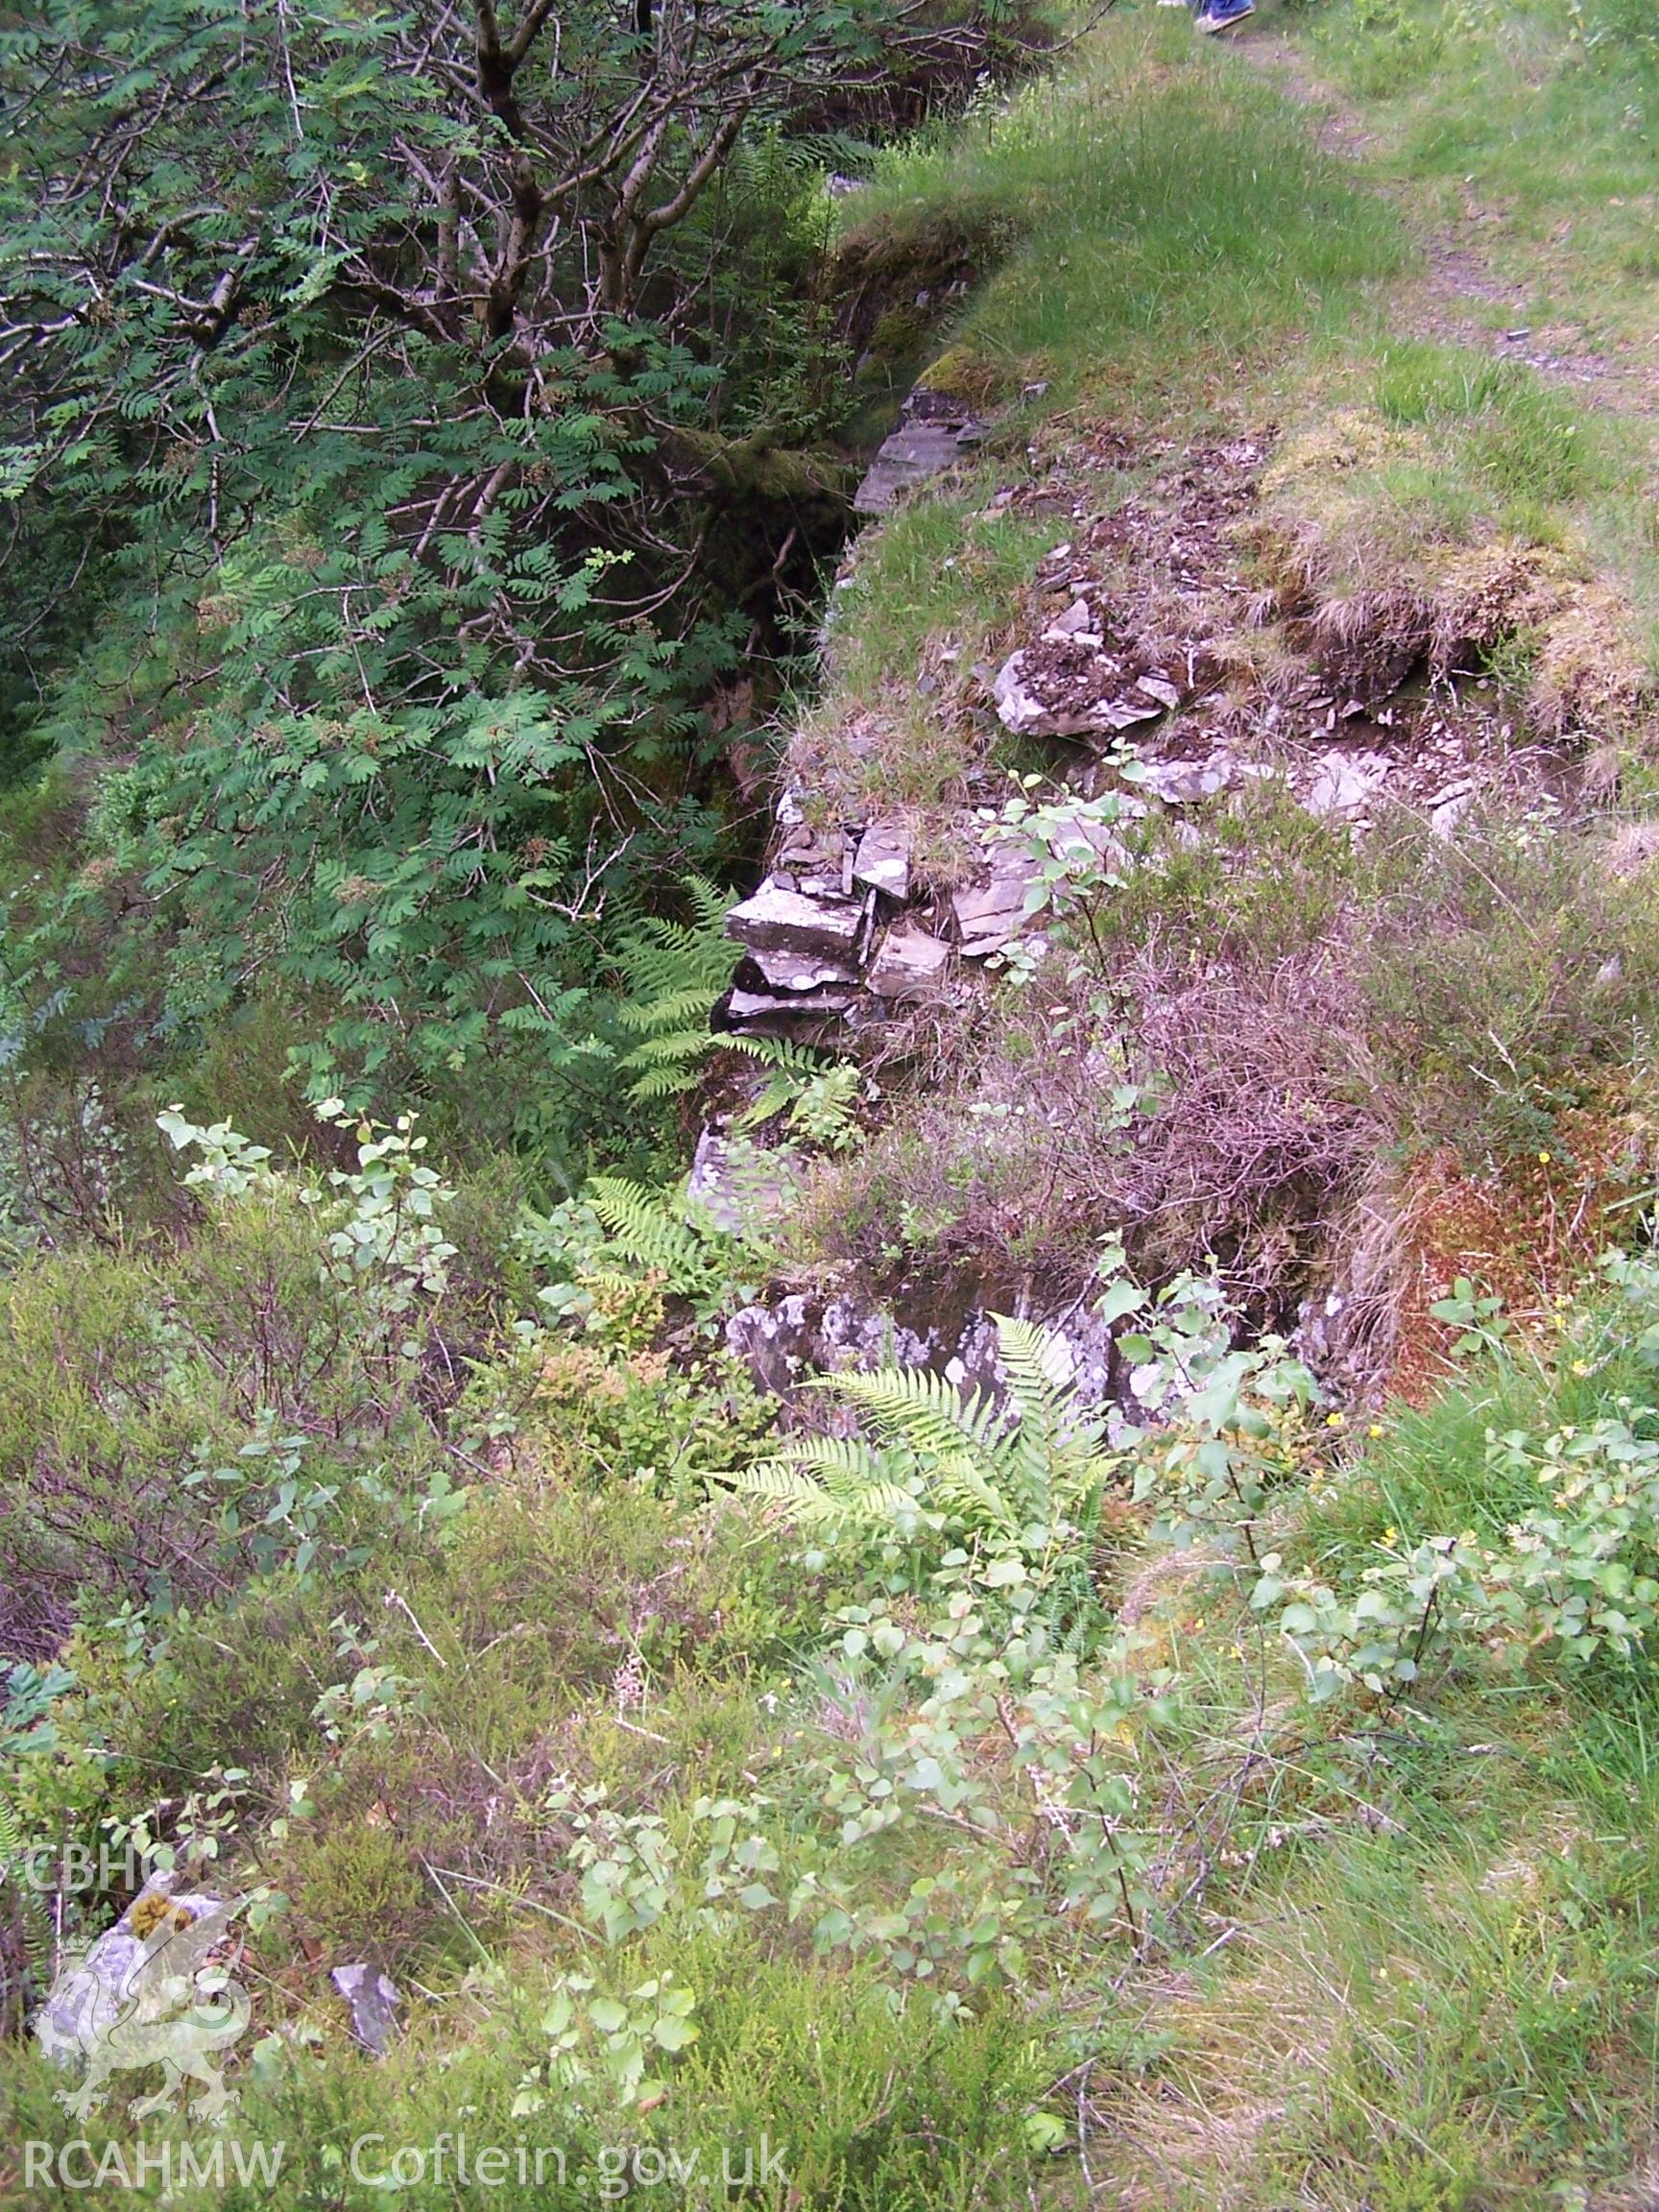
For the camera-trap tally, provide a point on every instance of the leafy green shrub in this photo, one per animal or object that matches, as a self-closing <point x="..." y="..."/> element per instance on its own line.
<point x="184" y="1422"/>
<point x="805" y="2083"/>
<point x="1575" y="1582"/>
<point x="389" y="644"/>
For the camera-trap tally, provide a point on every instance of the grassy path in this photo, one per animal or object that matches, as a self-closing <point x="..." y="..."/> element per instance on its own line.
<point x="1477" y="279"/>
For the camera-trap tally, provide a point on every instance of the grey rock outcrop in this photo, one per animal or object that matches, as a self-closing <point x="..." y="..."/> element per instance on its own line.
<point x="785" y="1341"/>
<point x="934" y="435"/>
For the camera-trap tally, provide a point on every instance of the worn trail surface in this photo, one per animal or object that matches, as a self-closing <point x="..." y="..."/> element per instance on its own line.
<point x="1462" y="296"/>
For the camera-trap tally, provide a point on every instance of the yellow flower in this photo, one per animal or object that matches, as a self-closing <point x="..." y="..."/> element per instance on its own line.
<point x="1389" y="1534"/>
<point x="1580" y="1366"/>
<point x="1333" y="1420"/>
<point x="1544" y="1159"/>
<point x="1375" y="1430"/>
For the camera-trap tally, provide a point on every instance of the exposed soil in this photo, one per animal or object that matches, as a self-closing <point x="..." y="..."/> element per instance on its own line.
<point x="1369" y="710"/>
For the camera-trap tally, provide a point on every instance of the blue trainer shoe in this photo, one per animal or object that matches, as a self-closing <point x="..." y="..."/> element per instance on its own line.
<point x="1223" y="14"/>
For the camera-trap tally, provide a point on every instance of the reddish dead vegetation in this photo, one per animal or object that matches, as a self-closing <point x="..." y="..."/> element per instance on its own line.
<point x="1524" y="1235"/>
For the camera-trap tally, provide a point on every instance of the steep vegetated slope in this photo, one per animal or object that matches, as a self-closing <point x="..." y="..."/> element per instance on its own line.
<point x="1211" y="1763"/>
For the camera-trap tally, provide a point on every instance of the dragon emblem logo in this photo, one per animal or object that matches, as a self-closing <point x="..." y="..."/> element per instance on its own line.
<point x="147" y="1994"/>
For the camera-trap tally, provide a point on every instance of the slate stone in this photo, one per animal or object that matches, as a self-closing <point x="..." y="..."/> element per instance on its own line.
<point x="1346" y="786"/>
<point x="883" y="860"/>
<point x="988" y="917"/>
<point x="1075" y="627"/>
<point x="92" y="1993"/>
<point x="936" y="432"/>
<point x="787" y="970"/>
<point x="1019" y="709"/>
<point x="910" y="965"/>
<point x="743" y="1006"/>
<point x="738" y="1187"/>
<point x="1179" y="782"/>
<point x="373" y="1999"/>
<point x="780" y="921"/>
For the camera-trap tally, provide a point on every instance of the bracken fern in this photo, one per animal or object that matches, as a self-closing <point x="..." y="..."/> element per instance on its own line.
<point x="1021" y="1477"/>
<point x="675" y="973"/>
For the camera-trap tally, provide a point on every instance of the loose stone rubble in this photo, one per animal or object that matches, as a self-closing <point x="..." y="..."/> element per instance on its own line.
<point x="1135" y="665"/>
<point x="1142" y="663"/>
<point x="910" y="966"/>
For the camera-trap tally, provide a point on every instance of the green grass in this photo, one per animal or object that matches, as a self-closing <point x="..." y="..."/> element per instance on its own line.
<point x="1436" y="1986"/>
<point x="1526" y="135"/>
<point x="1157" y="235"/>
<point x="1543" y="116"/>
<point x="864" y="2108"/>
<point x="1171" y="251"/>
<point x="1422" y="1978"/>
<point x="1169" y="219"/>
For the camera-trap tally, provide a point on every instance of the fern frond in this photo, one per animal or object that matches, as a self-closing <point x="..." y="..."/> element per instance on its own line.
<point x="1035" y="1366"/>
<point x="870" y="1503"/>
<point x="965" y="1469"/>
<point x="778" y="1052"/>
<point x="644" y="1229"/>
<point x="968" y="1491"/>
<point x="1035" y="1361"/>
<point x="667" y="1082"/>
<point x="838" y="1457"/>
<point x="667" y="1017"/>
<point x="1050" y="1452"/>
<point x="914" y="1406"/>
<point x="674" y="971"/>
<point x="711" y="903"/>
<point x="30" y="1919"/>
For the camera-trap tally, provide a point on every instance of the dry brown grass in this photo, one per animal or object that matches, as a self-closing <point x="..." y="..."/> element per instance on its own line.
<point x="1255" y="1133"/>
<point x="1390" y="566"/>
<point x="1246" y="2059"/>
